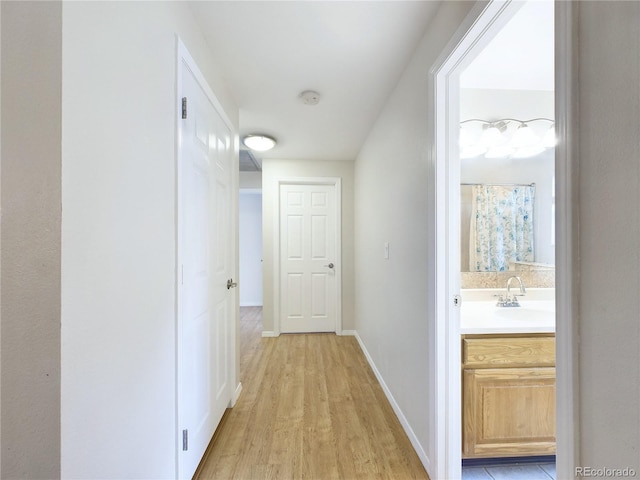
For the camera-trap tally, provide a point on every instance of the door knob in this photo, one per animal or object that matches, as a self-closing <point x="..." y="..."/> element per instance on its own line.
<point x="231" y="284"/>
<point x="330" y="265"/>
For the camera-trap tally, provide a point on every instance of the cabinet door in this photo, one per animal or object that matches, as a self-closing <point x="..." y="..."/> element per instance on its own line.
<point x="508" y="412"/>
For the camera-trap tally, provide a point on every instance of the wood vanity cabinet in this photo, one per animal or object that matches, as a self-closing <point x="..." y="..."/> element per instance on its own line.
<point x="508" y="395"/>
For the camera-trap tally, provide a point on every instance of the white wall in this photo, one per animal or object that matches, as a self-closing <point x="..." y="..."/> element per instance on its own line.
<point x="250" y="278"/>
<point x="118" y="230"/>
<point x="393" y="200"/>
<point x="250" y="180"/>
<point x="496" y="104"/>
<point x="272" y="170"/>
<point x="393" y="298"/>
<point x="30" y="278"/>
<point x="609" y="233"/>
<point x="113" y="426"/>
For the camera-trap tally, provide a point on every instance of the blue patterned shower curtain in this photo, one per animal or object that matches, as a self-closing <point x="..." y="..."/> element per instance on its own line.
<point x="501" y="227"/>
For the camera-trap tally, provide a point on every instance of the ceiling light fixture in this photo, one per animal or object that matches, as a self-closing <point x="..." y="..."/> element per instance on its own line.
<point x="259" y="143"/>
<point x="504" y="138"/>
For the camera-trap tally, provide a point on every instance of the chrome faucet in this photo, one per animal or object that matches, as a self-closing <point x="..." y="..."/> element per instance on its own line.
<point x="522" y="289"/>
<point x="511" y="300"/>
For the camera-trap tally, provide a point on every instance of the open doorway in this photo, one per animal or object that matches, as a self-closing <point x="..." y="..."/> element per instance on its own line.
<point x="507" y="238"/>
<point x="250" y="240"/>
<point x="483" y="26"/>
<point x="250" y="230"/>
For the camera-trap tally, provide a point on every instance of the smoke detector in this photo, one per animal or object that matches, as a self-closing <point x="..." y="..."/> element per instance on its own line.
<point x="309" y="97"/>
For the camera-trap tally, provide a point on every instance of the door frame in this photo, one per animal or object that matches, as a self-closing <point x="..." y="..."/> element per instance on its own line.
<point x="336" y="182"/>
<point x="184" y="61"/>
<point x="475" y="32"/>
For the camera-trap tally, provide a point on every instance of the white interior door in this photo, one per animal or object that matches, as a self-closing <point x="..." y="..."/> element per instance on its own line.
<point x="205" y="305"/>
<point x="309" y="267"/>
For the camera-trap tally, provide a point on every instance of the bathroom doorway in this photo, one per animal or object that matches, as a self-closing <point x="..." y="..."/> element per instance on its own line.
<point x="473" y="39"/>
<point x="507" y="239"/>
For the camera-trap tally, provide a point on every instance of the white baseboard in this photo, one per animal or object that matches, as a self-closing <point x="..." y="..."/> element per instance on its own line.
<point x="396" y="408"/>
<point x="250" y="304"/>
<point x="236" y="395"/>
<point x="348" y="333"/>
<point x="269" y="334"/>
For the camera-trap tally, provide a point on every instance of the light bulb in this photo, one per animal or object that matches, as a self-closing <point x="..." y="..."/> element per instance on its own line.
<point x="549" y="139"/>
<point x="466" y="138"/>
<point x="524" y="137"/>
<point x="491" y="137"/>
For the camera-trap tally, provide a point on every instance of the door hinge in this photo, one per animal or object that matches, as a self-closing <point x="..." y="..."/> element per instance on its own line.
<point x="184" y="108"/>
<point x="457" y="300"/>
<point x="185" y="440"/>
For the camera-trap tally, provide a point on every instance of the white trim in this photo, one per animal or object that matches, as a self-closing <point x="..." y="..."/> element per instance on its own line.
<point x="187" y="60"/>
<point x="269" y="334"/>
<point x="396" y="408"/>
<point x="348" y="333"/>
<point x="479" y="27"/>
<point x="336" y="182"/>
<point x="180" y="61"/>
<point x="445" y="341"/>
<point x="256" y="303"/>
<point x="567" y="245"/>
<point x="236" y="395"/>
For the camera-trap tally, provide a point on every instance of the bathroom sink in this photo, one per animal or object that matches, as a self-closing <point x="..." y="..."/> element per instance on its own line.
<point x="480" y="315"/>
<point x="525" y="314"/>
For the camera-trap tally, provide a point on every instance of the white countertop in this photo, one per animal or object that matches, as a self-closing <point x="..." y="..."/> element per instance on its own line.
<point x="479" y="313"/>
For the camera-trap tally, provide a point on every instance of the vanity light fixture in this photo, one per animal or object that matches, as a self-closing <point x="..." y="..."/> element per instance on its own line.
<point x="549" y="139"/>
<point x="507" y="137"/>
<point x="472" y="151"/>
<point x="492" y="134"/>
<point x="524" y="137"/>
<point x="259" y="143"/>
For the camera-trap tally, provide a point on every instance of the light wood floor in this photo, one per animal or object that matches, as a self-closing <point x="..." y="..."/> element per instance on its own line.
<point x="310" y="408"/>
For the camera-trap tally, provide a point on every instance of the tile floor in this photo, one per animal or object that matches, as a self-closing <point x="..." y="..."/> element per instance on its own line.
<point x="523" y="471"/>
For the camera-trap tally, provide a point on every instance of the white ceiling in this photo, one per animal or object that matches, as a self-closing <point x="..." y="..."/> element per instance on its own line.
<point x="351" y="52"/>
<point x="521" y="56"/>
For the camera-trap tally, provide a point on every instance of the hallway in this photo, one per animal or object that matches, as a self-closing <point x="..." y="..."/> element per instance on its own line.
<point x="310" y="408"/>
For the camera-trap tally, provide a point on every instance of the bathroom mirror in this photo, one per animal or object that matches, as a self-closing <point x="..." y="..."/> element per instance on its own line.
<point x="505" y="222"/>
<point x="497" y="226"/>
<point x="482" y="108"/>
